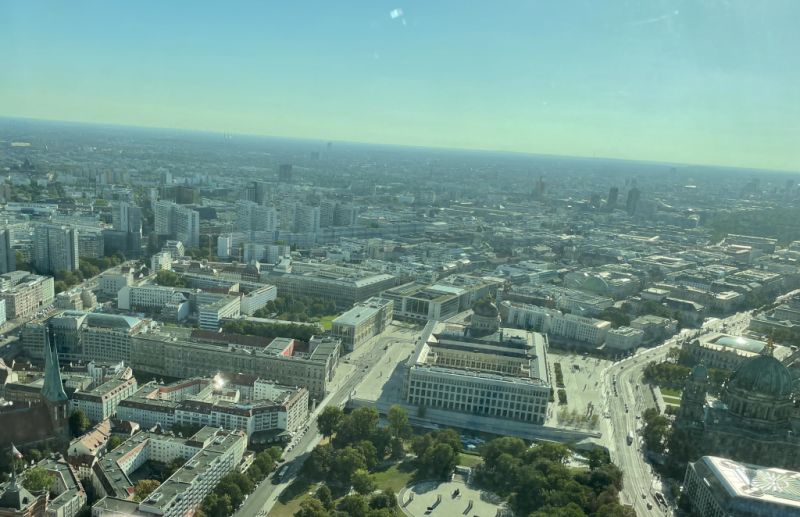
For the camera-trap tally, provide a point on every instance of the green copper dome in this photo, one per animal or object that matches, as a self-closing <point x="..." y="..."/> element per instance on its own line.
<point x="763" y="375"/>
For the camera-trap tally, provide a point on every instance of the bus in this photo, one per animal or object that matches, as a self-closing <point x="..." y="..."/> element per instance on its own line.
<point x="280" y="474"/>
<point x="630" y="437"/>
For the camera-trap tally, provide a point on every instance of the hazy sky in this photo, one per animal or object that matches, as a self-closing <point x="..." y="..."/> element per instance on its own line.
<point x="697" y="81"/>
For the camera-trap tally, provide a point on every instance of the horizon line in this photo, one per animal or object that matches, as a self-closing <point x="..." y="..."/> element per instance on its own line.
<point x="409" y="146"/>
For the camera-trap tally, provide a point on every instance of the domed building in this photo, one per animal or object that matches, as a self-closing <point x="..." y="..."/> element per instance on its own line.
<point x="756" y="419"/>
<point x="485" y="317"/>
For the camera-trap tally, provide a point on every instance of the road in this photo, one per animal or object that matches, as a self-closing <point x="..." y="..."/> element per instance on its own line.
<point x="261" y="501"/>
<point x="630" y="400"/>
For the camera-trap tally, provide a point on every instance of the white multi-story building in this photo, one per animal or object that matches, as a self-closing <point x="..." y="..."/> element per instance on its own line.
<point x="563" y="327"/>
<point x="210" y="314"/>
<point x="146" y="297"/>
<point x="111" y="283"/>
<point x="126" y="217"/>
<point x="8" y="256"/>
<point x="257" y="299"/>
<point x="69" y="496"/>
<point x="55" y="248"/>
<point x="364" y="321"/>
<point x="101" y="402"/>
<point x="2" y="312"/>
<point x="253" y="217"/>
<point x="25" y="293"/>
<point x="624" y="339"/>
<point x="210" y="454"/>
<point x="497" y="375"/>
<point x="180" y="222"/>
<point x="207" y="401"/>
<point x="161" y="261"/>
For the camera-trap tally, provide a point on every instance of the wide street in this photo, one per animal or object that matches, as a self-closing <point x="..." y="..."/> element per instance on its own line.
<point x="353" y="372"/>
<point x="624" y="410"/>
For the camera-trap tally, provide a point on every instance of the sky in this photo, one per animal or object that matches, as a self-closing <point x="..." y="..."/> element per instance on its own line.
<point x="713" y="82"/>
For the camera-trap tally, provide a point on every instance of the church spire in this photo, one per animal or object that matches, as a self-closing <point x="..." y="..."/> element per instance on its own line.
<point x="53" y="388"/>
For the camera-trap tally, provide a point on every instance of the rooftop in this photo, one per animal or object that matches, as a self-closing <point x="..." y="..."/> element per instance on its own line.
<point x="755" y="482"/>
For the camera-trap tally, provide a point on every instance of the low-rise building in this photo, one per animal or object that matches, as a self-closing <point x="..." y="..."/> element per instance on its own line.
<point x="69" y="496"/>
<point x="623" y="339"/>
<point x="656" y="328"/>
<point x="112" y="282"/>
<point x="364" y="321"/>
<point x="568" y="328"/>
<point x="147" y="298"/>
<point x="719" y="487"/>
<point x="258" y="299"/>
<point x="100" y="403"/>
<point x="210" y="314"/>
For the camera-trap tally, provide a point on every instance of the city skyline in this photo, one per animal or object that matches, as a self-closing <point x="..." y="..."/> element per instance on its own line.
<point x="673" y="83"/>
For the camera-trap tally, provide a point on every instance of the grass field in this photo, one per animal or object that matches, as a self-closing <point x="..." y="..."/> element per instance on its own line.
<point x="325" y="321"/>
<point x="395" y="477"/>
<point x="470" y="460"/>
<point x="670" y="392"/>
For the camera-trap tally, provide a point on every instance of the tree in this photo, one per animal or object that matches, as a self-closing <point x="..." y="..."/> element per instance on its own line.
<point x="368" y="452"/>
<point x="37" y="479"/>
<point x="570" y="510"/>
<point x="144" y="488"/>
<point x="329" y="420"/>
<point x="362" y="482"/>
<point x="113" y="442"/>
<point x="398" y="451"/>
<point x="358" y="425"/>
<point x="354" y="506"/>
<point x="383" y="499"/>
<point x="232" y="490"/>
<point x="398" y="422"/>
<point x="345" y="463"/>
<point x="655" y="431"/>
<point x="78" y="422"/>
<point x="311" y="508"/>
<point x="215" y="505"/>
<point x="325" y="496"/>
<point x="440" y="460"/>
<point x="318" y="464"/>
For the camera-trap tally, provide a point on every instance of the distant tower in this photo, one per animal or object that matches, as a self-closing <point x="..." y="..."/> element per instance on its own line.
<point x="285" y="173"/>
<point x="538" y="191"/>
<point x="693" y="399"/>
<point x="632" y="202"/>
<point x="53" y="388"/>
<point x="613" y="196"/>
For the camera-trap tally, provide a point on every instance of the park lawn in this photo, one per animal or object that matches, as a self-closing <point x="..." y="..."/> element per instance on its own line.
<point x="470" y="460"/>
<point x="289" y="508"/>
<point x="670" y="392"/>
<point x="395" y="477"/>
<point x="326" y="321"/>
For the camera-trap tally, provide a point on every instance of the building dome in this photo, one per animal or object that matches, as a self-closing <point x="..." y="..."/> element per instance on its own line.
<point x="700" y="373"/>
<point x="763" y="375"/>
<point x="485" y="307"/>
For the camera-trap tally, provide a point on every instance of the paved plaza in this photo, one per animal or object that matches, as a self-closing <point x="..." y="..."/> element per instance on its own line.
<point x="416" y="500"/>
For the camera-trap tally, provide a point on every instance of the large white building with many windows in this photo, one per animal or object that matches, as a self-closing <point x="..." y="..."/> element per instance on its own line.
<point x="501" y="374"/>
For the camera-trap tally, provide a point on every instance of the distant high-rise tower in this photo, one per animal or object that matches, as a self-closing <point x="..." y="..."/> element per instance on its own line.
<point x="632" y="202"/>
<point x="538" y="190"/>
<point x="179" y="222"/>
<point x="613" y="196"/>
<point x="127" y="217"/>
<point x="55" y="248"/>
<point x="252" y="217"/>
<point x="285" y="173"/>
<point x="8" y="257"/>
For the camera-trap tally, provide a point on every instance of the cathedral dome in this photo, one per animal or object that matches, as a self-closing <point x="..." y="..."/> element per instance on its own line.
<point x="763" y="375"/>
<point x="485" y="307"/>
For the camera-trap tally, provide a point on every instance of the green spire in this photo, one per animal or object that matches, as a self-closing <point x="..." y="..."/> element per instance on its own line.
<point x="53" y="388"/>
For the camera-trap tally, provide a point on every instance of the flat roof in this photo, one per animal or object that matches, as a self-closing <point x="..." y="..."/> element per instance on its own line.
<point x="744" y="480"/>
